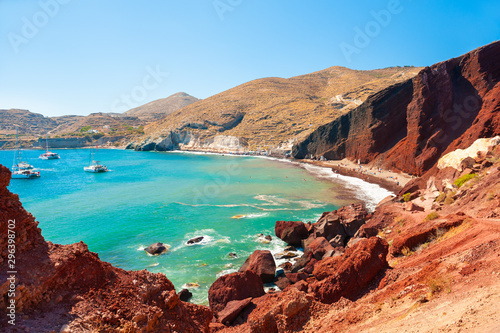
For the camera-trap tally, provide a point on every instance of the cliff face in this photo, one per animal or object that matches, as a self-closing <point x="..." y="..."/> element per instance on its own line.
<point x="68" y="288"/>
<point x="410" y="125"/>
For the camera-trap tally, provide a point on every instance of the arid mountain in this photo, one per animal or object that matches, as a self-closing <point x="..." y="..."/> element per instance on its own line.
<point x="409" y="126"/>
<point x="269" y="112"/>
<point x="32" y="125"/>
<point x="160" y="108"/>
<point x="29" y="123"/>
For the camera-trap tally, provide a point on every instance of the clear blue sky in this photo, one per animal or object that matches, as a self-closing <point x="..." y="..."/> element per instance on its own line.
<point x="84" y="56"/>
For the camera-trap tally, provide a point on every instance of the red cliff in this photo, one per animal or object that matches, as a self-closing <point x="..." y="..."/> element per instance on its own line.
<point x="410" y="125"/>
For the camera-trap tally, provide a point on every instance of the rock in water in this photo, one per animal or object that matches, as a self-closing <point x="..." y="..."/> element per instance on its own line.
<point x="261" y="262"/>
<point x="185" y="295"/>
<point x="195" y="240"/>
<point x="156" y="249"/>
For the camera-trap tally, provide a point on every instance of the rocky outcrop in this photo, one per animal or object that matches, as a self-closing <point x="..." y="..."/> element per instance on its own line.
<point x="232" y="287"/>
<point x="156" y="249"/>
<point x="186" y="140"/>
<point x="54" y="280"/>
<point x="261" y="262"/>
<point x="291" y="232"/>
<point x="347" y="275"/>
<point x="410" y="125"/>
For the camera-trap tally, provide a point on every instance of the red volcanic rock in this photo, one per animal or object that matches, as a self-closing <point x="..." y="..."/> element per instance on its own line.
<point x="347" y="275"/>
<point x="410" y="125"/>
<point x="54" y="280"/>
<point x="412" y="207"/>
<point x="352" y="218"/>
<point x="328" y="227"/>
<point x="262" y="263"/>
<point x="309" y="267"/>
<point x="282" y="282"/>
<point x="318" y="248"/>
<point x="232" y="310"/>
<point x="296" y="277"/>
<point x="282" y="312"/>
<point x="291" y="232"/>
<point x="235" y="286"/>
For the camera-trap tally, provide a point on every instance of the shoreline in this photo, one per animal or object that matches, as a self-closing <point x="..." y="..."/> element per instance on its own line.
<point x="389" y="180"/>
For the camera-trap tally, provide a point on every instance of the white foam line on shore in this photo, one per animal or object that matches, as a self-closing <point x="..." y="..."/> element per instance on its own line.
<point x="371" y="194"/>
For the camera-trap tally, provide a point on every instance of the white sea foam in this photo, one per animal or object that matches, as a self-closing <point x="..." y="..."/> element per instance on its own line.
<point x="226" y="272"/>
<point x="371" y="194"/>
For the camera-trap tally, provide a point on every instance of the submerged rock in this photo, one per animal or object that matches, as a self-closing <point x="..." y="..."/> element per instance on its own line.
<point x="157" y="248"/>
<point x="195" y="240"/>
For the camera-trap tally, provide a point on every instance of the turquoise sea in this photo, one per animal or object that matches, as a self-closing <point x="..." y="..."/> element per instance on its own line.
<point x="171" y="197"/>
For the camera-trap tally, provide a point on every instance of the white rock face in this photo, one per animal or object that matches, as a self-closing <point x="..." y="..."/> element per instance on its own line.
<point x="454" y="158"/>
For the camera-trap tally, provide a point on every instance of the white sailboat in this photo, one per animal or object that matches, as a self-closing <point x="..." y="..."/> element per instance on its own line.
<point x="48" y="155"/>
<point x="22" y="170"/>
<point x="94" y="166"/>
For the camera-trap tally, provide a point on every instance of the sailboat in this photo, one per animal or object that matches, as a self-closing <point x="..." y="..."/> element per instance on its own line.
<point x="48" y="155"/>
<point x="22" y="170"/>
<point x="94" y="166"/>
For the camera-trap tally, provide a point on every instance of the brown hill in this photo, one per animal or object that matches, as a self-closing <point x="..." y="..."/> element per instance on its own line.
<point x="29" y="123"/>
<point x="410" y="125"/>
<point x="160" y="108"/>
<point x="272" y="111"/>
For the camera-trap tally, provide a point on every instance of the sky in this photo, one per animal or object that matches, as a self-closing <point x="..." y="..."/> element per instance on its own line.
<point x="60" y="57"/>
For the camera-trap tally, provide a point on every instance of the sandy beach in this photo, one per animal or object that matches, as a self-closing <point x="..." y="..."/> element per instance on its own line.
<point x="388" y="179"/>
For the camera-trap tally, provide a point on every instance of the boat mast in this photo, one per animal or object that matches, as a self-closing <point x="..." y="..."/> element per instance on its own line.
<point x="16" y="153"/>
<point x="46" y="139"/>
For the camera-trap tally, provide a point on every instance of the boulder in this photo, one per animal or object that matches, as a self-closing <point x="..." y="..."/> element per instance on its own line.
<point x="309" y="267"/>
<point x="318" y="248"/>
<point x="346" y="276"/>
<point x="352" y="218"/>
<point x="156" y="249"/>
<point x="337" y="241"/>
<point x="282" y="282"/>
<point x="262" y="263"/>
<point x="300" y="263"/>
<point x="232" y="310"/>
<point x="184" y="295"/>
<point x="328" y="226"/>
<point x="235" y="286"/>
<point x="195" y="240"/>
<point x="291" y="232"/>
<point x="296" y="277"/>
<point x="412" y="207"/>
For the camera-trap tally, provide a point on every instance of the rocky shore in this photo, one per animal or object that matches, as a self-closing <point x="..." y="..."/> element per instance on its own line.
<point x="359" y="271"/>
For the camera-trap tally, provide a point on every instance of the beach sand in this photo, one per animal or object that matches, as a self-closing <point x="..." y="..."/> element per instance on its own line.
<point x="392" y="181"/>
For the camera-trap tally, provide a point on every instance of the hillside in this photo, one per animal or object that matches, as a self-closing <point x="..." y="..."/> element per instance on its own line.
<point x="32" y="125"/>
<point x="160" y="108"/>
<point x="269" y="112"/>
<point x="409" y="126"/>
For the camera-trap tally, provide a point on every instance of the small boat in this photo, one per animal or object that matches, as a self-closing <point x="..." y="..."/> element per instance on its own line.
<point x="22" y="170"/>
<point x="48" y="155"/>
<point x="94" y="166"/>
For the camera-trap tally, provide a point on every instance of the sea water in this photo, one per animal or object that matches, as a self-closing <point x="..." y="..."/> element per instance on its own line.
<point x="150" y="197"/>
